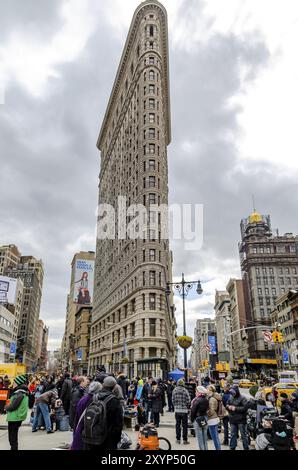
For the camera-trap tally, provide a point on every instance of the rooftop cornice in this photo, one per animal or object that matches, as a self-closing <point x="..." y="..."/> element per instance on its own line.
<point x="137" y="17"/>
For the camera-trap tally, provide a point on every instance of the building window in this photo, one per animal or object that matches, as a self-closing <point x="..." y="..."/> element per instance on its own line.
<point x="152" y="148"/>
<point x="152" y="278"/>
<point x="132" y="330"/>
<point x="152" y="301"/>
<point x="144" y="278"/>
<point x="144" y="301"/>
<point x="152" y="165"/>
<point x="151" y="75"/>
<point x="143" y="327"/>
<point x="152" y="235"/>
<point x="152" y="352"/>
<point x="259" y="291"/>
<point x="151" y="118"/>
<point x="151" y="89"/>
<point x="151" y="103"/>
<point x="152" y="255"/>
<point x="152" y="327"/>
<point x="151" y="133"/>
<point x="151" y="30"/>
<point x="151" y="181"/>
<point x="152" y="198"/>
<point x="151" y="61"/>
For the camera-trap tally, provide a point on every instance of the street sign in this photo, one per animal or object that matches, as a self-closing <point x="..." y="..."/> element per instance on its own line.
<point x="267" y="336"/>
<point x="285" y="355"/>
<point x="79" y="354"/>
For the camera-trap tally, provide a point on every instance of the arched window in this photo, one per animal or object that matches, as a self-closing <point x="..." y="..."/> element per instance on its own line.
<point x="151" y="75"/>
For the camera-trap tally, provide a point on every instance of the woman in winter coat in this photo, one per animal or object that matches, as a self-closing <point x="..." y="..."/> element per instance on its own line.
<point x="156" y="403"/>
<point x="77" y="443"/>
<point x="198" y="416"/>
<point x="213" y="418"/>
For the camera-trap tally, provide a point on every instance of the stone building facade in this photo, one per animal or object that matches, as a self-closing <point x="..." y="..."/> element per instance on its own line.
<point x="238" y="320"/>
<point x="285" y="320"/>
<point x="82" y="340"/>
<point x="205" y="327"/>
<point x="269" y="265"/>
<point x="223" y="326"/>
<point x="131" y="311"/>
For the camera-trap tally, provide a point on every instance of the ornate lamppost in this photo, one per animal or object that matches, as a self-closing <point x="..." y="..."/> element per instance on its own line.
<point x="183" y="289"/>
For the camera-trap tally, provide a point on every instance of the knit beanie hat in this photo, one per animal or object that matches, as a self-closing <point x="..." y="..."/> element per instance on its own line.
<point x="109" y="382"/>
<point x="181" y="382"/>
<point x="202" y="390"/>
<point x="94" y="387"/>
<point x="20" y="380"/>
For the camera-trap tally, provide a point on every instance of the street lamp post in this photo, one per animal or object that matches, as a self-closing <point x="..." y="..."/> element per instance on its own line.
<point x="183" y="288"/>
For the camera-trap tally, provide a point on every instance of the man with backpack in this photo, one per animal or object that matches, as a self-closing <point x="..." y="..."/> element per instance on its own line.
<point x="103" y="419"/>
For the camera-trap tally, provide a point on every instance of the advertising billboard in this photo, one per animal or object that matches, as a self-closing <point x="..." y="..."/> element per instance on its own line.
<point x="83" y="283"/>
<point x="8" y="290"/>
<point x="212" y="344"/>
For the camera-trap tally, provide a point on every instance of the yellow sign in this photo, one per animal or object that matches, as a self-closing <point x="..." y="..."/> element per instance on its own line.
<point x="258" y="361"/>
<point x="12" y="370"/>
<point x="222" y="367"/>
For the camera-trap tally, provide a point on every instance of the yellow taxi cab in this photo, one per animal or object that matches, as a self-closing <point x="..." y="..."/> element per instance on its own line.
<point x="287" y="388"/>
<point x="245" y="383"/>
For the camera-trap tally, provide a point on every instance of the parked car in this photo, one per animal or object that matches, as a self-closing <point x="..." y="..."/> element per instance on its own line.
<point x="246" y="383"/>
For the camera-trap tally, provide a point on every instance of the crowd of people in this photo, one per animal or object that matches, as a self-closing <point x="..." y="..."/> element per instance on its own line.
<point x="93" y="408"/>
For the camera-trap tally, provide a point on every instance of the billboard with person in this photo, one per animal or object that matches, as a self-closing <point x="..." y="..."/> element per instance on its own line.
<point x="83" y="282"/>
<point x="8" y="290"/>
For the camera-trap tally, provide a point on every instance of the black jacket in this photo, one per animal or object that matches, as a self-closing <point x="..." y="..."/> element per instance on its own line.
<point x="66" y="391"/>
<point x="145" y="392"/>
<point x="199" y="408"/>
<point x="114" y="421"/>
<point x="287" y="412"/>
<point x="156" y="400"/>
<point x="239" y="415"/>
<point x="76" y="394"/>
<point x="122" y="381"/>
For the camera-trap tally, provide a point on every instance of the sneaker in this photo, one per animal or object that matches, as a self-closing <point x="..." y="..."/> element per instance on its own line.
<point x="178" y="442"/>
<point x="34" y="430"/>
<point x="50" y="432"/>
<point x="186" y="442"/>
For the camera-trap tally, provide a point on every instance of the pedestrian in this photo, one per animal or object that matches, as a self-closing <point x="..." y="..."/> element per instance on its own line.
<point x="237" y="407"/>
<point x="225" y="419"/>
<point x="181" y="403"/>
<point x="110" y="428"/>
<point x="145" y="397"/>
<point x="198" y="416"/>
<point x="286" y="409"/>
<point x="170" y="389"/>
<point x="66" y="392"/>
<point x="131" y="392"/>
<point x="214" y="411"/>
<point x="1" y="383"/>
<point x="122" y="381"/>
<point x="76" y="394"/>
<point x="155" y="397"/>
<point x="17" y="410"/>
<point x="77" y="443"/>
<point x="43" y="404"/>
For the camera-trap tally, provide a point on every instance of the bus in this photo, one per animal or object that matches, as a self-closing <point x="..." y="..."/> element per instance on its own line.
<point x="287" y="376"/>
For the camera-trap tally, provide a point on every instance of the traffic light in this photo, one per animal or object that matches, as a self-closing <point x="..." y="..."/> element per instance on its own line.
<point x="277" y="337"/>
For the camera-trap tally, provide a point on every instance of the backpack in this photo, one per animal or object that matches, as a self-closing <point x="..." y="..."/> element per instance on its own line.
<point x="95" y="425"/>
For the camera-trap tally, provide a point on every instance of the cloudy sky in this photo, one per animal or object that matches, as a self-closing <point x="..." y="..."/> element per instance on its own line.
<point x="234" y="97"/>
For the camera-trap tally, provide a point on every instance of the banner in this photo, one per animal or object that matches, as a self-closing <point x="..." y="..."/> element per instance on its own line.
<point x="83" y="283"/>
<point x="212" y="343"/>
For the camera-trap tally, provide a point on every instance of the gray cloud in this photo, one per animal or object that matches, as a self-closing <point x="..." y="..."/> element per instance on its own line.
<point x="50" y="164"/>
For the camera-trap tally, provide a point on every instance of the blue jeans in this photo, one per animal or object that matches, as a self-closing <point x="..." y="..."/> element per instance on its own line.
<point x="214" y="436"/>
<point x="234" y="434"/>
<point x="42" y="408"/>
<point x="201" y="435"/>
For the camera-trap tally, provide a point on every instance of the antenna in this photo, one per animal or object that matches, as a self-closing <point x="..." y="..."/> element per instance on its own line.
<point x="253" y="203"/>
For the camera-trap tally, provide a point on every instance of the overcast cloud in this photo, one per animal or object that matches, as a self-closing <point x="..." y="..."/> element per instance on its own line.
<point x="234" y="100"/>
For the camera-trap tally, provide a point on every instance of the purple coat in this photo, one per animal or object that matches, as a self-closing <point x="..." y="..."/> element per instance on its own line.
<point x="77" y="443"/>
